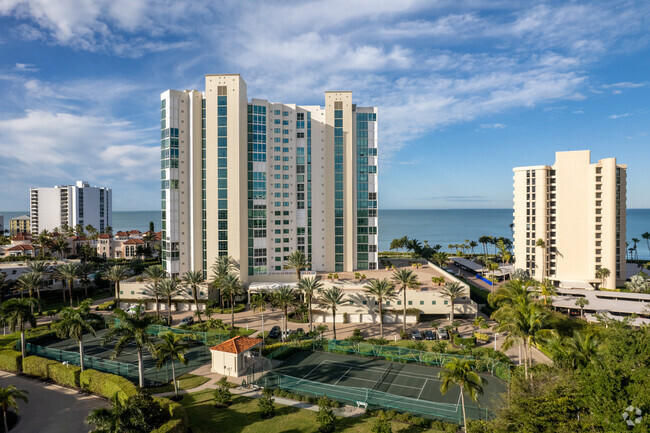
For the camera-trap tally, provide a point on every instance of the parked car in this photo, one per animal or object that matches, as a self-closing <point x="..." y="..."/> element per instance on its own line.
<point x="287" y="333"/>
<point x="429" y="335"/>
<point x="415" y="335"/>
<point x="189" y="320"/>
<point x="442" y="334"/>
<point x="274" y="333"/>
<point x="132" y="309"/>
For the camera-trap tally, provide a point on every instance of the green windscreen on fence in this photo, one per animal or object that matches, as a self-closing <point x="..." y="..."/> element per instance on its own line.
<point x="372" y="398"/>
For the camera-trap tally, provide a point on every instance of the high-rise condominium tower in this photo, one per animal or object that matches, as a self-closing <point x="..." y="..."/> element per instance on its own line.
<point x="577" y="210"/>
<point x="257" y="180"/>
<point x="70" y="205"/>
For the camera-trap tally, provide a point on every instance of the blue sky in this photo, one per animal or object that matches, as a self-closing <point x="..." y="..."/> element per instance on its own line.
<point x="466" y="89"/>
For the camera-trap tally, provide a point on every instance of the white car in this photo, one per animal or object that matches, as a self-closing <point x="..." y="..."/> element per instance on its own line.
<point x="132" y="309"/>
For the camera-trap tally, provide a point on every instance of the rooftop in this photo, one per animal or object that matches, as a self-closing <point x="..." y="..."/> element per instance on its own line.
<point x="237" y="344"/>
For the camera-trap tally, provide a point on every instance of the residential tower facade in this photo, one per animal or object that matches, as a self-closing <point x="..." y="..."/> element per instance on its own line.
<point x="70" y="205"/>
<point x="577" y="209"/>
<point x="257" y="180"/>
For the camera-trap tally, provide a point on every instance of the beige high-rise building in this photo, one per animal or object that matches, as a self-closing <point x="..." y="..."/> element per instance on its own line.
<point x="257" y="180"/>
<point x="577" y="209"/>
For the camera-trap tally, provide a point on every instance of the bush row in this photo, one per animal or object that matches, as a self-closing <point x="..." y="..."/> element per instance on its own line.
<point x="107" y="385"/>
<point x="293" y="396"/>
<point x="67" y="375"/>
<point x="406" y="417"/>
<point x="464" y="341"/>
<point x="11" y="360"/>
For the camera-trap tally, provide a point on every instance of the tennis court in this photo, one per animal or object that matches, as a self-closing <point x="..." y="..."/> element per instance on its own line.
<point x="97" y="357"/>
<point x="376" y="382"/>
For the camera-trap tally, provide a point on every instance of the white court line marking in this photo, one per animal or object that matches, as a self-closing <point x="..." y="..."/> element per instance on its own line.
<point x="312" y="370"/>
<point x="425" y="384"/>
<point x="411" y="375"/>
<point x="346" y="372"/>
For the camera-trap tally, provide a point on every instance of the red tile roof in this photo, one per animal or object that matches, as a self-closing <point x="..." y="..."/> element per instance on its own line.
<point x="21" y="237"/>
<point x="121" y="234"/>
<point x="134" y="241"/>
<point x="104" y="236"/>
<point x="134" y="232"/>
<point x="77" y="238"/>
<point x="21" y="248"/>
<point x="237" y="344"/>
<point x="159" y="236"/>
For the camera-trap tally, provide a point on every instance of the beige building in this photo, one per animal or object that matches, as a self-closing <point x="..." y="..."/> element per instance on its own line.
<point x="577" y="208"/>
<point x="20" y="224"/>
<point x="257" y="180"/>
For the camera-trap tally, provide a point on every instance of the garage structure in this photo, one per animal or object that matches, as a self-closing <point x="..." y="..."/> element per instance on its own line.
<point x="232" y="357"/>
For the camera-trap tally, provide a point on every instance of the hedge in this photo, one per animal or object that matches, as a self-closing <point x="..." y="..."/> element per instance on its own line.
<point x="11" y="360"/>
<point x="107" y="385"/>
<point x="37" y="366"/>
<point x="467" y="342"/>
<point x="178" y="423"/>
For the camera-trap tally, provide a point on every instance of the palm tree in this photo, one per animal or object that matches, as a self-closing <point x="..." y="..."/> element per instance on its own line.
<point x="284" y="298"/>
<point x="16" y="313"/>
<point x="440" y="258"/>
<point x="636" y="241"/>
<point x="84" y="270"/>
<point x="168" y="289"/>
<point x="602" y="274"/>
<point x="72" y="324"/>
<point x="171" y="347"/>
<point x="581" y="348"/>
<point x="382" y="290"/>
<point x="223" y="266"/>
<point x="39" y="267"/>
<point x="231" y="287"/>
<point x="3" y="287"/>
<point x="461" y="372"/>
<point x="408" y="280"/>
<point x="194" y="278"/>
<point x="44" y="240"/>
<point x="67" y="273"/>
<point x="546" y="289"/>
<point x="8" y="397"/>
<point x="133" y="328"/>
<point x="646" y="236"/>
<point x="116" y="274"/>
<point x="60" y="245"/>
<point x="582" y="303"/>
<point x="155" y="274"/>
<point x="109" y="420"/>
<point x="29" y="282"/>
<point x="331" y="299"/>
<point x="258" y="303"/>
<point x="452" y="291"/>
<point x="541" y="244"/>
<point x="309" y="287"/>
<point x="297" y="261"/>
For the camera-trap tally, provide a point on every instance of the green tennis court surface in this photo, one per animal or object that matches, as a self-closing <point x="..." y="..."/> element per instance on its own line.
<point x="98" y="357"/>
<point x="409" y="387"/>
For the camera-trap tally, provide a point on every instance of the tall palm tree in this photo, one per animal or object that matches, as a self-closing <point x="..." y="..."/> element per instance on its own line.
<point x="309" y="287"/>
<point x="382" y="290"/>
<point x="582" y="303"/>
<point x="8" y="397"/>
<point x="170" y="348"/>
<point x="581" y="348"/>
<point x="602" y="274"/>
<point x="3" y="287"/>
<point x="194" y="278"/>
<point x="541" y="244"/>
<point x="29" y="281"/>
<point x="461" y="372"/>
<point x="85" y="269"/>
<point x="60" y="245"/>
<point x="230" y="286"/>
<point x="42" y="268"/>
<point x="155" y="274"/>
<point x="168" y="289"/>
<point x="18" y="312"/>
<point x="258" y="303"/>
<point x="73" y="322"/>
<point x="407" y="280"/>
<point x="646" y="236"/>
<point x="546" y="289"/>
<point x="452" y="291"/>
<point x="132" y="328"/>
<point x="116" y="274"/>
<point x="223" y="266"/>
<point x="284" y="298"/>
<point x="68" y="272"/>
<point x="636" y="241"/>
<point x="44" y="241"/>
<point x="440" y="258"/>
<point x="297" y="261"/>
<point x="330" y="299"/>
<point x="514" y="291"/>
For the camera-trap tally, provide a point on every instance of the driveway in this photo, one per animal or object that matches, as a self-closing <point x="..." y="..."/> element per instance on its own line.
<point x="51" y="408"/>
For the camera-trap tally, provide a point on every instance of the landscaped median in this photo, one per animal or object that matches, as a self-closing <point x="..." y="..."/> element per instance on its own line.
<point x="104" y="384"/>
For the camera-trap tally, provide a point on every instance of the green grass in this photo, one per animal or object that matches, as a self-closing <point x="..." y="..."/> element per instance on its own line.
<point x="187" y="381"/>
<point x="243" y="416"/>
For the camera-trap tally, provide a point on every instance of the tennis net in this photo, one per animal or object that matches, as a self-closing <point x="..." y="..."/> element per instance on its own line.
<point x="383" y="376"/>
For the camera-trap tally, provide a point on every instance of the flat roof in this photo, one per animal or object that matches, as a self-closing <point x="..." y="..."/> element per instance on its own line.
<point x="618" y="302"/>
<point x="467" y="263"/>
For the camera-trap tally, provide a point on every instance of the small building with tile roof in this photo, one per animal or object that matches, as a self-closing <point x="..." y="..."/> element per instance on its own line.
<point x="231" y="357"/>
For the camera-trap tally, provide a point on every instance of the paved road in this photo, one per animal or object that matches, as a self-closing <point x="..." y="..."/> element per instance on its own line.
<point x="51" y="408"/>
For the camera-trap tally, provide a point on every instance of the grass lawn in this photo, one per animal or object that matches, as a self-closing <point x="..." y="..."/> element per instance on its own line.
<point x="243" y="416"/>
<point x="187" y="381"/>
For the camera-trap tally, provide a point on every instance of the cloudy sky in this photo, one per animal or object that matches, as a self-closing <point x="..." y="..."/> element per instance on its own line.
<point x="466" y="89"/>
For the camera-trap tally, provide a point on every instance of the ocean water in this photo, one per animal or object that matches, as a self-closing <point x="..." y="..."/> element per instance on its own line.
<point x="438" y="226"/>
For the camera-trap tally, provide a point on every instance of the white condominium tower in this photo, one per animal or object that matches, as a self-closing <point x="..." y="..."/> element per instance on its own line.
<point x="578" y="210"/>
<point x="70" y="205"/>
<point x="257" y="180"/>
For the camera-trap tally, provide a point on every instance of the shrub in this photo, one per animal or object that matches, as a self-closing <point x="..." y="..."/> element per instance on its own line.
<point x="390" y="415"/>
<point x="222" y="395"/>
<point x="404" y="335"/>
<point x="37" y="366"/>
<point x="105" y="306"/>
<point x="346" y="318"/>
<point x="178" y="422"/>
<point x="11" y="360"/>
<point x="468" y="342"/>
<point x="265" y="404"/>
<point x="481" y="336"/>
<point x="107" y="385"/>
<point x="325" y="415"/>
<point x="67" y="375"/>
<point x="403" y="417"/>
<point x="421" y="422"/>
<point x="381" y="425"/>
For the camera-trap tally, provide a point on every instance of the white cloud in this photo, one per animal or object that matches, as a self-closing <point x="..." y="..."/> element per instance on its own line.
<point x="492" y="126"/>
<point x="619" y="116"/>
